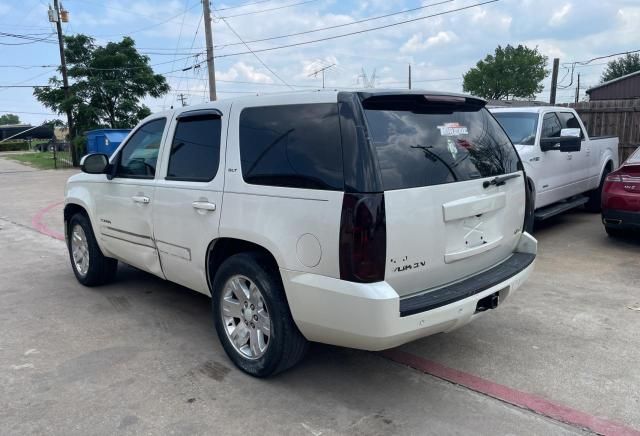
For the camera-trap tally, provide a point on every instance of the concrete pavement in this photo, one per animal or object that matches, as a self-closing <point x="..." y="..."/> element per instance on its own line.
<point x="141" y="355"/>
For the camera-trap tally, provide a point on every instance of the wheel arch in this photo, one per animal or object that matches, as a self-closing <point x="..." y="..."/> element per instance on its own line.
<point x="222" y="248"/>
<point x="70" y="209"/>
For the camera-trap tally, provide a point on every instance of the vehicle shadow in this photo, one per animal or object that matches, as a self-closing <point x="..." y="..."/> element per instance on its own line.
<point x="332" y="390"/>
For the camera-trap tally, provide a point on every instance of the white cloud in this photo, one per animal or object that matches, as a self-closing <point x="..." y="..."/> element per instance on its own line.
<point x="244" y="71"/>
<point x="418" y="43"/>
<point x="559" y="17"/>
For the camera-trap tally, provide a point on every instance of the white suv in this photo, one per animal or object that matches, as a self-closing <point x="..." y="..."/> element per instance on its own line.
<point x="359" y="219"/>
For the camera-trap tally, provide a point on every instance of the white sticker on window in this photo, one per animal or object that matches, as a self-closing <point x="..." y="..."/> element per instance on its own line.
<point x="453" y="129"/>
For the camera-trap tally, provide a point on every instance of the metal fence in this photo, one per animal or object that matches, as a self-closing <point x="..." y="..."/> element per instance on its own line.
<point x="62" y="159"/>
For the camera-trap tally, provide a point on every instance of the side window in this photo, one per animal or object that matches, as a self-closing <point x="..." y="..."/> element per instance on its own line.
<point x="551" y="126"/>
<point x="569" y="121"/>
<point x="295" y="146"/>
<point x="195" y="150"/>
<point x="139" y="156"/>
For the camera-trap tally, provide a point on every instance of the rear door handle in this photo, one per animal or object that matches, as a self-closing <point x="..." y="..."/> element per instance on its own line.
<point x="141" y="199"/>
<point x="569" y="157"/>
<point x="204" y="205"/>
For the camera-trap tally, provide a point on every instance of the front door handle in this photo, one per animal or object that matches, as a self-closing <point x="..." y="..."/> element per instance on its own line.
<point x="203" y="205"/>
<point x="141" y="199"/>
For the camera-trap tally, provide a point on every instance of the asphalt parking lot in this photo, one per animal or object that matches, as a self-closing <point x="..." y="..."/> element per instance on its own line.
<point x="140" y="356"/>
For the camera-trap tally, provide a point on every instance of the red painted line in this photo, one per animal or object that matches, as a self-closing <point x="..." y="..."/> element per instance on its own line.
<point x="511" y="396"/>
<point x="41" y="227"/>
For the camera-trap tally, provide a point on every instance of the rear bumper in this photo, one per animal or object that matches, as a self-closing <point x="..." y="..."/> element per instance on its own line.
<point x="368" y="316"/>
<point x="621" y="219"/>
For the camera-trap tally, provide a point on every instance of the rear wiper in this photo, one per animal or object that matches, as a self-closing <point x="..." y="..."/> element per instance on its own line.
<point x="499" y="181"/>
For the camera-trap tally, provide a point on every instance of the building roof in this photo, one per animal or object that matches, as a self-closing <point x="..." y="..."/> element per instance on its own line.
<point x="626" y="76"/>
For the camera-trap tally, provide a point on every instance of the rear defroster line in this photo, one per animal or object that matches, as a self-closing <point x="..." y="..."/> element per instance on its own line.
<point x="512" y="396"/>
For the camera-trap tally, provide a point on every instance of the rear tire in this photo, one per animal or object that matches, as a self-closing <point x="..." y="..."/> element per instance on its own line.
<point x="595" y="196"/>
<point x="615" y="233"/>
<point x="90" y="266"/>
<point x="233" y="312"/>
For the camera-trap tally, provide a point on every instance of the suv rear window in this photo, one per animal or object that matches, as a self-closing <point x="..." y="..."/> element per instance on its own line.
<point x="296" y="146"/>
<point x="423" y="144"/>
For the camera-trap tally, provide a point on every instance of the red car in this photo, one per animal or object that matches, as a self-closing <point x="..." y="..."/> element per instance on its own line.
<point x="621" y="198"/>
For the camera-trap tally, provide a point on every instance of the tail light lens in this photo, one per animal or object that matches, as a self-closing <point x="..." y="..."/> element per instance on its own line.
<point x="629" y="183"/>
<point x="363" y="238"/>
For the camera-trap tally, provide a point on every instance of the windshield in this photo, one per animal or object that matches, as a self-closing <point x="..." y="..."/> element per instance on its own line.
<point x="421" y="144"/>
<point x="520" y="126"/>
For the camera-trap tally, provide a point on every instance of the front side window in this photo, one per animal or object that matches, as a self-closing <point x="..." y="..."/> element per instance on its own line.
<point x="139" y="156"/>
<point x="295" y="146"/>
<point x="195" y="149"/>
<point x="421" y="144"/>
<point x="521" y="127"/>
<point x="551" y="126"/>
<point x="569" y="121"/>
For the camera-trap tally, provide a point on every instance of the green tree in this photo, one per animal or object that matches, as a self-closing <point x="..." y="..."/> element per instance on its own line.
<point x="107" y="84"/>
<point x="621" y="67"/>
<point x="9" y="119"/>
<point x="510" y="72"/>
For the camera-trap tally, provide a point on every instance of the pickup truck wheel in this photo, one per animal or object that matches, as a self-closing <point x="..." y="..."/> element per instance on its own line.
<point x="252" y="317"/>
<point x="90" y="266"/>
<point x="595" y="196"/>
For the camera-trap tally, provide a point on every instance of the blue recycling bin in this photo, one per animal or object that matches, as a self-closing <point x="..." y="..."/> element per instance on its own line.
<point x="105" y="140"/>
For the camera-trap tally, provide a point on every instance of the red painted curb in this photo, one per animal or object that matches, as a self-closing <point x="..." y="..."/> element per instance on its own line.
<point x="514" y="397"/>
<point x="41" y="227"/>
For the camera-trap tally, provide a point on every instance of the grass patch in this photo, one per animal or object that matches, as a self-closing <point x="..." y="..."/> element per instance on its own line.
<point x="42" y="160"/>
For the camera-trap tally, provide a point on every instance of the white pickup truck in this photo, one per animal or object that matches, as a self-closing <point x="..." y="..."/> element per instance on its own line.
<point x="565" y="167"/>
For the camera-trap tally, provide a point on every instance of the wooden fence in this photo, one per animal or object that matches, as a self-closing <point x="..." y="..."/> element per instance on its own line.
<point x="619" y="118"/>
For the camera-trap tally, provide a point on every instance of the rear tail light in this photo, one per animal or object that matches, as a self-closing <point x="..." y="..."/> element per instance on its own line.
<point x="629" y="183"/>
<point x="363" y="238"/>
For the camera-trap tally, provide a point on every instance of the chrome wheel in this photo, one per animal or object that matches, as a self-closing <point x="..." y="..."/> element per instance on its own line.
<point x="245" y="317"/>
<point x="80" y="250"/>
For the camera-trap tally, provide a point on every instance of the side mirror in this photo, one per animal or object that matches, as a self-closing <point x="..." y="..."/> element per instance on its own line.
<point x="570" y="132"/>
<point x="564" y="144"/>
<point x="96" y="163"/>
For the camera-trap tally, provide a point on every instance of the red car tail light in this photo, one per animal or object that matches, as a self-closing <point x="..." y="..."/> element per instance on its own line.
<point x="363" y="238"/>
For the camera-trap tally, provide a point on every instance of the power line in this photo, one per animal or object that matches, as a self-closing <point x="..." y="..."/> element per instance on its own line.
<point x="244" y="5"/>
<point x="142" y="29"/>
<point x="359" y="31"/>
<point x="337" y="25"/>
<point x="29" y="39"/>
<point x="270" y="9"/>
<point x="255" y="55"/>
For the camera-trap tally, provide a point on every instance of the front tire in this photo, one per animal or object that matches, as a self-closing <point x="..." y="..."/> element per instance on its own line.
<point x="90" y="266"/>
<point x="252" y="317"/>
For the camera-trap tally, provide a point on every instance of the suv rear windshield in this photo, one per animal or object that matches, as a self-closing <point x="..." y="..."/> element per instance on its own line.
<point x="423" y="144"/>
<point x="520" y="126"/>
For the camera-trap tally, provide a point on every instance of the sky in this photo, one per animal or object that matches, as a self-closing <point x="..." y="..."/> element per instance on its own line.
<point x="440" y="48"/>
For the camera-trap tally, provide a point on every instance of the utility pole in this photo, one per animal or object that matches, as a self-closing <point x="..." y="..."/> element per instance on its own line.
<point x="57" y="17"/>
<point x="409" y="76"/>
<point x="578" y="89"/>
<point x="554" y="81"/>
<point x="209" y="39"/>
<point x="182" y="99"/>
<point x="321" y="70"/>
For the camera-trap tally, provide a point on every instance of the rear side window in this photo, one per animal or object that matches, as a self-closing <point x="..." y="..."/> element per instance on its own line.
<point x="569" y="121"/>
<point x="195" y="150"/>
<point x="296" y="146"/>
<point x="551" y="126"/>
<point x="421" y="144"/>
